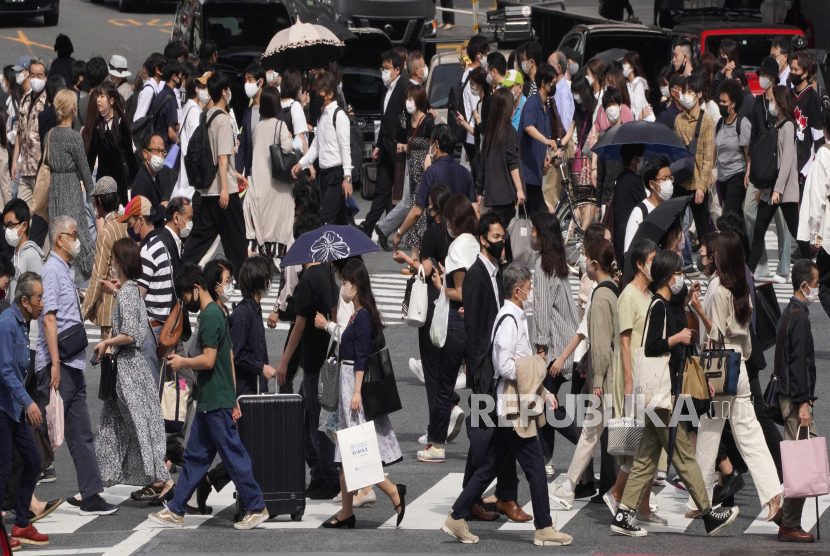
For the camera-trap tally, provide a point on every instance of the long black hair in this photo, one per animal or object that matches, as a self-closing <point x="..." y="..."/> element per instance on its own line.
<point x="99" y="124"/>
<point x="551" y="246"/>
<point x="438" y="194"/>
<point x="729" y="257"/>
<point x="499" y="122"/>
<point x="356" y="273"/>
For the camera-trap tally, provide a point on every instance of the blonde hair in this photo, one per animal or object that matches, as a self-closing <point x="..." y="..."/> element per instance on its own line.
<point x="66" y="104"/>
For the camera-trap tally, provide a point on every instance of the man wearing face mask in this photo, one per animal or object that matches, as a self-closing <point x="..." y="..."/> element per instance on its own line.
<point x="391" y="133"/>
<point x="61" y="366"/>
<point x="780" y="51"/>
<point x="496" y="69"/>
<point x="154" y="180"/>
<point x="98" y="303"/>
<point x="254" y="82"/>
<point x="809" y="135"/>
<point x="628" y="191"/>
<point x="515" y="82"/>
<point x="27" y="148"/>
<point x="530" y="58"/>
<point x="682" y="58"/>
<point x="660" y="187"/>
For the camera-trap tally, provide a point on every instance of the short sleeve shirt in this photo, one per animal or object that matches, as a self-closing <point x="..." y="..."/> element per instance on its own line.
<point x="216" y="389"/>
<point x="221" y="143"/>
<point x="730" y="147"/>
<point x="314" y="294"/>
<point x="632" y="308"/>
<point x="807" y="118"/>
<point x="447" y="171"/>
<point x="168" y="115"/>
<point x="59" y="296"/>
<point x="533" y="152"/>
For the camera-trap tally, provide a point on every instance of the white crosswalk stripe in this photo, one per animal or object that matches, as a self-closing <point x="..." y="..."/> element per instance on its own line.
<point x="66" y="518"/>
<point x="808" y="517"/>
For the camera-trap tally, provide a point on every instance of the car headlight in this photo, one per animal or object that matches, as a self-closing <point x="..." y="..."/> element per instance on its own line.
<point x="430" y="28"/>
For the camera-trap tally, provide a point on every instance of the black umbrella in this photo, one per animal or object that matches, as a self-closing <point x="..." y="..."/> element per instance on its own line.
<point x="611" y="55"/>
<point x="655" y="226"/>
<point x="303" y="46"/>
<point x="659" y="140"/>
<point x="340" y="31"/>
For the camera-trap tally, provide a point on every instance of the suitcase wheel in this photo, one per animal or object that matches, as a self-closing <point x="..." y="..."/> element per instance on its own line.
<point x="297" y="517"/>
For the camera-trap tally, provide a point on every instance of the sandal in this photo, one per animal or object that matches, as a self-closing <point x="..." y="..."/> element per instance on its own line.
<point x="774" y="505"/>
<point x="149" y="493"/>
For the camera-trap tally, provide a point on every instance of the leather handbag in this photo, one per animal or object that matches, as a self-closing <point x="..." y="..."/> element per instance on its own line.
<point x="369" y="186"/>
<point x="43" y="182"/>
<point x="171" y="332"/>
<point x="772" y="406"/>
<point x="281" y="163"/>
<point x="398" y="181"/>
<point x="106" y="387"/>
<point x="328" y="391"/>
<point x="767" y="314"/>
<point x="73" y="340"/>
<point x="722" y="367"/>
<point x="695" y="385"/>
<point x="379" y="391"/>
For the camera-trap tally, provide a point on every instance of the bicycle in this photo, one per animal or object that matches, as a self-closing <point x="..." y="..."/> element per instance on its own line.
<point x="578" y="197"/>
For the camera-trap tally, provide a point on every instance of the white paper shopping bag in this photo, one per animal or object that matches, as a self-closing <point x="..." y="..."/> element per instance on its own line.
<point x="360" y="456"/>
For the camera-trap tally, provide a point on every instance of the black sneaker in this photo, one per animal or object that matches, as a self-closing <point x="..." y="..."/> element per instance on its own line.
<point x="624" y="523"/>
<point x="95" y="505"/>
<point x="383" y="241"/>
<point x="72" y="501"/>
<point x="716" y="520"/>
<point x="585" y="490"/>
<point x="732" y="483"/>
<point x="202" y="493"/>
<point x="48" y="476"/>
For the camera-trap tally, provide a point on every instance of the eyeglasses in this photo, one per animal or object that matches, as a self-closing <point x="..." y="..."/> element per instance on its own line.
<point x="12" y="225"/>
<point x="73" y="235"/>
<point x="160" y="152"/>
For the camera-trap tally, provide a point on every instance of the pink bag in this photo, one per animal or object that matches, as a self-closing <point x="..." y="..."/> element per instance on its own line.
<point x="54" y="419"/>
<point x="806" y="467"/>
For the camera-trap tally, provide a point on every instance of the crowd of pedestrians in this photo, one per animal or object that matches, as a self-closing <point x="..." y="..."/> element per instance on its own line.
<point x="105" y="222"/>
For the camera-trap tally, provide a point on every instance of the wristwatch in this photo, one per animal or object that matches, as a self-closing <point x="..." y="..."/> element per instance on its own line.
<point x="348" y="179"/>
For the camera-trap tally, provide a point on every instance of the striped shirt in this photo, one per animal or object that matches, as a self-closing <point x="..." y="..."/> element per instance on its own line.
<point x="157" y="278"/>
<point x="98" y="304"/>
<point x="554" y="315"/>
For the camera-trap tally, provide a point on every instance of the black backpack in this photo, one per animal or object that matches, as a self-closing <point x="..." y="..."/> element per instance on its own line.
<point x="763" y="173"/>
<point x="355" y="144"/>
<point x="485" y="382"/>
<point x="145" y="127"/>
<point x="198" y="162"/>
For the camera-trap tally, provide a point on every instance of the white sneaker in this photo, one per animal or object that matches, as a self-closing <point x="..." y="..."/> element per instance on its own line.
<point x="433" y="454"/>
<point x="761" y="271"/>
<point x="457" y="417"/>
<point x="560" y="496"/>
<point x="166" y="518"/>
<point x="252" y="520"/>
<point x="416" y="368"/>
<point x="423" y="440"/>
<point x="549" y="470"/>
<point x="778" y="279"/>
<point x="461" y="381"/>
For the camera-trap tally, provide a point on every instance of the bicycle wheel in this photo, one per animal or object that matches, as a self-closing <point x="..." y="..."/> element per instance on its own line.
<point x="572" y="232"/>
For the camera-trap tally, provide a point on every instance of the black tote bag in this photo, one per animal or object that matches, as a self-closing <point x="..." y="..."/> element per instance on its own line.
<point x="281" y="163"/>
<point x="767" y="314"/>
<point x="380" y="391"/>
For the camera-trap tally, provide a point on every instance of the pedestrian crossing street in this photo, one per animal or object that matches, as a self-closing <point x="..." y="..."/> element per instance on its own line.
<point x="425" y="512"/>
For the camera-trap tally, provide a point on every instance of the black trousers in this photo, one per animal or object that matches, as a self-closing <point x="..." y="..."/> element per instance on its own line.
<point x="504" y="445"/>
<point x="547" y="434"/>
<point x="382" y="202"/>
<point x="507" y="484"/>
<point x="766" y="212"/>
<point x="334" y="209"/>
<point x="452" y="354"/>
<point x="535" y="200"/>
<point x="823" y="264"/>
<point x="700" y="212"/>
<point x="734" y="193"/>
<point x="431" y="363"/>
<point x="210" y="220"/>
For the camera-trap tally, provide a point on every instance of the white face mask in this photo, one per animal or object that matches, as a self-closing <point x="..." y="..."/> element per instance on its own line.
<point x="577" y="98"/>
<point x="525" y="68"/>
<point x="475" y="90"/>
<point x="184" y="232"/>
<point x="526" y="303"/>
<point x="764" y="82"/>
<point x="410" y="106"/>
<point x="773" y="109"/>
<point x="386" y="75"/>
<point x="271" y="76"/>
<point x="251" y="89"/>
<point x="688" y="101"/>
<point x="449" y="231"/>
<point x="647" y="271"/>
<point x="156" y="163"/>
<point x="12" y="238"/>
<point x="666" y="189"/>
<point x="665" y="92"/>
<point x="582" y="262"/>
<point x="227" y="292"/>
<point x="424" y="72"/>
<point x="37" y="84"/>
<point x="74" y="248"/>
<point x="677" y="286"/>
<point x="613" y="113"/>
<point x="812" y="295"/>
<point x="589" y="79"/>
<point x="346" y="294"/>
<point x="20" y="77"/>
<point x="489" y="78"/>
<point x="115" y="272"/>
<point x="626" y="70"/>
<point x="483" y="62"/>
<point x="229" y="97"/>
<point x="204" y="96"/>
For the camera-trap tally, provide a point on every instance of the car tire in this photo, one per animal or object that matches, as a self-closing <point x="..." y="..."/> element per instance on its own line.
<point x="50" y="19"/>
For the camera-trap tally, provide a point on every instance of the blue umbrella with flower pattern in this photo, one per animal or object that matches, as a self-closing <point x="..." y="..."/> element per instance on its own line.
<point x="328" y="243"/>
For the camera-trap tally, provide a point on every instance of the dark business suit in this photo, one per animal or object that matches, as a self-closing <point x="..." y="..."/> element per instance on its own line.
<point x="480" y="310"/>
<point x="245" y="152"/>
<point x="391" y="133"/>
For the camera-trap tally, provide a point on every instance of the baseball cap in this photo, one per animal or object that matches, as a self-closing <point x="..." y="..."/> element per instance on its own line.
<point x="22" y="64"/>
<point x="118" y="66"/>
<point x="768" y="66"/>
<point x="138" y="206"/>
<point x="513" y="77"/>
<point x="204" y="79"/>
<point x="105" y="185"/>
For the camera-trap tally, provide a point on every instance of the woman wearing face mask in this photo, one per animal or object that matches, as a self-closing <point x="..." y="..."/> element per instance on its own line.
<point x="419" y="127"/>
<point x="109" y="142"/>
<point x="70" y="167"/>
<point x="130" y="441"/>
<point x="362" y="337"/>
<point x="473" y="124"/>
<point x="191" y="111"/>
<point x="732" y="134"/>
<point x="637" y="87"/>
<point x="730" y="316"/>
<point x="220" y="273"/>
<point x="585" y="103"/>
<point x="785" y="193"/>
<point x="612" y="113"/>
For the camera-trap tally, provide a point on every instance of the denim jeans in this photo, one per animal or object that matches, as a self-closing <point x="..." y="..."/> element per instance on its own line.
<point x="18" y="434"/>
<point x="319" y="449"/>
<point x="214" y="432"/>
<point x="452" y="354"/>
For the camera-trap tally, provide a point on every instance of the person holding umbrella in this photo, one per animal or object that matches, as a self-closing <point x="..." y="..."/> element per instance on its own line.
<point x="660" y="185"/>
<point x="661" y="335"/>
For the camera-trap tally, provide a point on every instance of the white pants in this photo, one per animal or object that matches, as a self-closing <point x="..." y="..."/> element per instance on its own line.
<point x="585" y="449"/>
<point x="748" y="436"/>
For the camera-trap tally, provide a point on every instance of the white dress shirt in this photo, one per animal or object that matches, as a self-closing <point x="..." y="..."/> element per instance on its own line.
<point x="814" y="215"/>
<point x="330" y="144"/>
<point x="389" y="90"/>
<point x="634" y="222"/>
<point x="492" y="270"/>
<point x="470" y="103"/>
<point x="783" y="79"/>
<point x="510" y="342"/>
<point x="145" y="98"/>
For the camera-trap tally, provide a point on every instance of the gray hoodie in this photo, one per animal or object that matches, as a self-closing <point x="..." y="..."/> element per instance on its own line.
<point x="29" y="258"/>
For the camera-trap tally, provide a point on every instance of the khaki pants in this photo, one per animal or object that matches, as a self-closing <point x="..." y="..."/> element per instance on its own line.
<point x="25" y="190"/>
<point x="789" y="410"/>
<point x="552" y="181"/>
<point x="656" y="439"/>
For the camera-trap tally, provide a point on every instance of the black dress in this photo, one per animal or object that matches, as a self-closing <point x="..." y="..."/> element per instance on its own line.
<point x="114" y="153"/>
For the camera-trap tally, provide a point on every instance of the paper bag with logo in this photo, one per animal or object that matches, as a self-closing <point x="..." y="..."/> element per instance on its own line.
<point x="360" y="456"/>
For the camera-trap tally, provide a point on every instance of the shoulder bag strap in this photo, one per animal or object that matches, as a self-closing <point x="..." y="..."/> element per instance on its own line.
<point x="699" y="122"/>
<point x="648" y="320"/>
<point x="779" y="348"/>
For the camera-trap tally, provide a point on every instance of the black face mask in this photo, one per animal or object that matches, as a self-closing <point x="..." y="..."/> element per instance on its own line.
<point x="682" y="69"/>
<point x="430" y="217"/>
<point x="724" y="111"/>
<point x="194" y="305"/>
<point x="495" y="249"/>
<point x="796" y="80"/>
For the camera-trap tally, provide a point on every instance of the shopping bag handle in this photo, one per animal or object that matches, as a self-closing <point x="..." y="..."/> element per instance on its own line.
<point x="349" y="418"/>
<point x="798" y="433"/>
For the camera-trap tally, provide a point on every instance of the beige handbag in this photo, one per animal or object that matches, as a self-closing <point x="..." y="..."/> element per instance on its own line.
<point x="174" y="396"/>
<point x="40" y="195"/>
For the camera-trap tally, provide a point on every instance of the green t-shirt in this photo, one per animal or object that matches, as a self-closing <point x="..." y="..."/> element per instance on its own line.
<point x="632" y="308"/>
<point x="216" y="390"/>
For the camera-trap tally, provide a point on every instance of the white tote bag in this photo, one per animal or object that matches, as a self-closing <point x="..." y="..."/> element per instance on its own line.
<point x="418" y="301"/>
<point x="652" y="379"/>
<point x="360" y="456"/>
<point x="54" y="418"/>
<point x="440" y="319"/>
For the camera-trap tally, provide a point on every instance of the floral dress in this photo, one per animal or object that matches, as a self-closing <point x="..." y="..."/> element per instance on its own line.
<point x="355" y="347"/>
<point x="418" y="138"/>
<point x="130" y="442"/>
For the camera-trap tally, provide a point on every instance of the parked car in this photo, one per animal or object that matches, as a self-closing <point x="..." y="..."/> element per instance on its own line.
<point x="406" y="22"/>
<point x="754" y="38"/>
<point x="49" y="9"/>
<point x="444" y="72"/>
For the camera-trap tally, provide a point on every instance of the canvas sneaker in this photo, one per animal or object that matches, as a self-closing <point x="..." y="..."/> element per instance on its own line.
<point x="167" y="518"/>
<point x="457" y="528"/>
<point x="423" y="440"/>
<point x="252" y="519"/>
<point x="551" y="537"/>
<point x="624" y="523"/>
<point x="612" y="504"/>
<point x="417" y="368"/>
<point x="716" y="520"/>
<point x="432" y="454"/>
<point x="559" y="494"/>
<point x="651" y="519"/>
